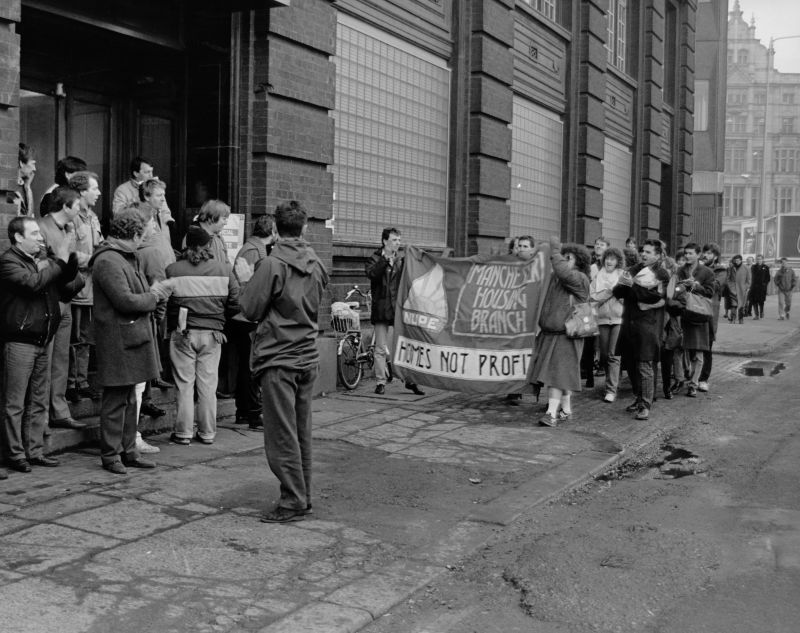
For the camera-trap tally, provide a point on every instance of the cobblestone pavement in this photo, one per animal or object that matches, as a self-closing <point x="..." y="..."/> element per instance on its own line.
<point x="404" y="486"/>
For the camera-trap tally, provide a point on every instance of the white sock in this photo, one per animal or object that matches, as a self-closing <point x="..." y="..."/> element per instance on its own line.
<point x="566" y="404"/>
<point x="552" y="406"/>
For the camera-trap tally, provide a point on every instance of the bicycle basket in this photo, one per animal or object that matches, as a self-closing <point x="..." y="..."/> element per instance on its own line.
<point x="344" y="318"/>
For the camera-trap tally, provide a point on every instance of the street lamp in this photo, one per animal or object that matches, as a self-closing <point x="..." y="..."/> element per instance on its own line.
<point x="765" y="156"/>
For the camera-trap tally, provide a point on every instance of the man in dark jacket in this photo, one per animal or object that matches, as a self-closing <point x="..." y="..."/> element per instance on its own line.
<point x="30" y="288"/>
<point x="284" y="297"/>
<point x="384" y="269"/>
<point x="643" y="289"/>
<point x="759" y="282"/>
<point x="125" y="339"/>
<point x="711" y="254"/>
<point x="698" y="279"/>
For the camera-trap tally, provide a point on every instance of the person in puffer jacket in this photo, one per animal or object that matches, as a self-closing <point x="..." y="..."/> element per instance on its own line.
<point x="609" y="316"/>
<point x="204" y="290"/>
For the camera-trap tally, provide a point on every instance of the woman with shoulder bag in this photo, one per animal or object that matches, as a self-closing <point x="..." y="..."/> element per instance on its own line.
<point x="557" y="362"/>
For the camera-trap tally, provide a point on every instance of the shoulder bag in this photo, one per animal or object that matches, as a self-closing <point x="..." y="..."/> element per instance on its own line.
<point x="582" y="323"/>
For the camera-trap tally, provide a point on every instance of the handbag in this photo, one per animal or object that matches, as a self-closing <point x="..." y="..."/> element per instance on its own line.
<point x="698" y="308"/>
<point x="582" y="323"/>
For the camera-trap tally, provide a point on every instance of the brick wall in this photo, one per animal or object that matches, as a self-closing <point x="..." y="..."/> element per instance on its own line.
<point x="287" y="84"/>
<point x="9" y="109"/>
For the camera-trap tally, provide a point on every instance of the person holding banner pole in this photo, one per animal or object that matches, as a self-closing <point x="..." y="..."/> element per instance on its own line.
<point x="522" y="249"/>
<point x="384" y="269"/>
<point x="557" y="362"/>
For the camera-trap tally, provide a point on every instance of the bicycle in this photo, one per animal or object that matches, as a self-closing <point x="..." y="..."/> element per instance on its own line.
<point x="351" y="354"/>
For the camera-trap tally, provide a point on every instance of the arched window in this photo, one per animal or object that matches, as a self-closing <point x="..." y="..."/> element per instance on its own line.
<point x="742" y="57"/>
<point x="730" y="243"/>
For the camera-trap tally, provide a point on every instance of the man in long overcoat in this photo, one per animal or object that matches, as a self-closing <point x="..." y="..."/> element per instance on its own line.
<point x="125" y="339"/>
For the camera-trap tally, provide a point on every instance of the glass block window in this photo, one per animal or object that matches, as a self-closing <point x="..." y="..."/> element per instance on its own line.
<point x="616" y="220"/>
<point x="537" y="142"/>
<point x="391" y="138"/>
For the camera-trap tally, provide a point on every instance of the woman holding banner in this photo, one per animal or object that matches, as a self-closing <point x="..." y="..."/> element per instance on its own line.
<point x="557" y="362"/>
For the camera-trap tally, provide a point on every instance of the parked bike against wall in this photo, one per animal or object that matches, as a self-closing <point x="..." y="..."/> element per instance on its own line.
<point x="352" y="354"/>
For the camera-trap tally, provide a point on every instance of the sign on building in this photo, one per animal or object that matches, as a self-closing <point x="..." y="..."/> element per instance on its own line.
<point x="233" y="235"/>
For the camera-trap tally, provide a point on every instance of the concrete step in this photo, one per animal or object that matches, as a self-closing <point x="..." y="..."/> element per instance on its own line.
<point x="88" y="411"/>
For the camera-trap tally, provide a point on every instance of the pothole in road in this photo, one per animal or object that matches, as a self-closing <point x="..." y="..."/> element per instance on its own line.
<point x="666" y="462"/>
<point x="762" y="368"/>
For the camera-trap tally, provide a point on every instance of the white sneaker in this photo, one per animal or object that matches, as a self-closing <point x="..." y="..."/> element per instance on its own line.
<point x="702" y="386"/>
<point x="610" y="397"/>
<point x="144" y="447"/>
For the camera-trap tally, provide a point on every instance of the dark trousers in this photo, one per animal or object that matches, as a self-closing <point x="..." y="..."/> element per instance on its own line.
<point x="287" y="431"/>
<point x="248" y="389"/>
<point x="82" y="341"/>
<point x="26" y="389"/>
<point x="118" y="424"/>
<point x="587" y="360"/>
<point x="642" y="376"/>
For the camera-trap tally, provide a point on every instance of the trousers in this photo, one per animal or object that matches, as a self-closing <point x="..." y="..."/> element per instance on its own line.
<point x="26" y="389"/>
<point x="118" y="419"/>
<point x="287" y="431"/>
<point x="59" y="366"/>
<point x="195" y="358"/>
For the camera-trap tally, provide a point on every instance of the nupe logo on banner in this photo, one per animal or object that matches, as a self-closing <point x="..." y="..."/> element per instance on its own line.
<point x="426" y="305"/>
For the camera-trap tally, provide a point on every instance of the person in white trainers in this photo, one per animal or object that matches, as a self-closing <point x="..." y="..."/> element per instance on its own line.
<point x="609" y="316"/>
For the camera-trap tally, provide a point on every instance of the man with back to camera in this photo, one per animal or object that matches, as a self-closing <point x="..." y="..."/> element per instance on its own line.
<point x="384" y="269"/>
<point x="283" y="297"/>
<point x="31" y="286"/>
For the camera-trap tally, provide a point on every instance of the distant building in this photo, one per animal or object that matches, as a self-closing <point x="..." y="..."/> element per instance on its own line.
<point x="761" y="203"/>
<point x="709" y="121"/>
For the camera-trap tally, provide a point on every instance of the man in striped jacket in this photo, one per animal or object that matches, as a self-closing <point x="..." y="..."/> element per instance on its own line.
<point x="204" y="291"/>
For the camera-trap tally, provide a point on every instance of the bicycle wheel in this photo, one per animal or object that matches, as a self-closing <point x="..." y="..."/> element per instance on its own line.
<point x="348" y="367"/>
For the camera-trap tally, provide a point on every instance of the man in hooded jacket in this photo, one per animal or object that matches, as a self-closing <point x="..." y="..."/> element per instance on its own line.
<point x="283" y="297"/>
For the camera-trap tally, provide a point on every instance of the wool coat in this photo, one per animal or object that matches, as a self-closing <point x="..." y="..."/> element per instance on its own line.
<point x="642" y="329"/>
<point x="738" y="285"/>
<point x="697" y="334"/>
<point x="125" y="341"/>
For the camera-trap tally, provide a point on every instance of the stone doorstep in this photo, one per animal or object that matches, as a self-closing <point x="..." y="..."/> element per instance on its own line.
<point x="88" y="411"/>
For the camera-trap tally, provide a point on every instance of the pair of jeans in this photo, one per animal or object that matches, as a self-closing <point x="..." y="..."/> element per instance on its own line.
<point x="784" y="302"/>
<point x="642" y="377"/>
<point x="59" y="366"/>
<point x="694" y="361"/>
<point x="26" y="385"/>
<point x="609" y="334"/>
<point x="195" y="358"/>
<point x="82" y="340"/>
<point x="287" y="431"/>
<point x="381" y="351"/>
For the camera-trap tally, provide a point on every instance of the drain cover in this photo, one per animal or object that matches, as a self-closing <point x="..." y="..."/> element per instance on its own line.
<point x="762" y="368"/>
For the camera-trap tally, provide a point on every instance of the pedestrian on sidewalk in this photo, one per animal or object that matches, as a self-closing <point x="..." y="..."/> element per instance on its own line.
<point x="284" y="297"/>
<point x="248" y="391"/>
<point x="673" y="367"/>
<point x="696" y="279"/>
<point x="203" y="291"/>
<point x="126" y="346"/>
<point x="523" y="249"/>
<point x="609" y="316"/>
<point x="557" y="361"/>
<point x="588" y="356"/>
<point x="785" y="281"/>
<point x="384" y="269"/>
<point x="738" y="288"/>
<point x="759" y="282"/>
<point x="31" y="286"/>
<point x="643" y="290"/>
<point x="711" y="260"/>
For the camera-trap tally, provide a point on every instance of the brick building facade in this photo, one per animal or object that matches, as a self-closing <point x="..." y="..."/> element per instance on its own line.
<point x="459" y="122"/>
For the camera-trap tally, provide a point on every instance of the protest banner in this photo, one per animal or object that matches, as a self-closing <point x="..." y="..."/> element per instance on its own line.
<point x="233" y="235"/>
<point x="468" y="324"/>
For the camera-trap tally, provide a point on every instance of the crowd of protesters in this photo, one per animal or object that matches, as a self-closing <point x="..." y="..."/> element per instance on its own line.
<point x="148" y="312"/>
<point x="644" y="327"/>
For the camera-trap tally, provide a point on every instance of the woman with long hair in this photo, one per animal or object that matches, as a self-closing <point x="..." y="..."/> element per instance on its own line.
<point x="557" y="363"/>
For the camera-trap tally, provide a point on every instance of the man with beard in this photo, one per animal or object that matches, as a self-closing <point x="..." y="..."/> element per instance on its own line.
<point x="710" y="259"/>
